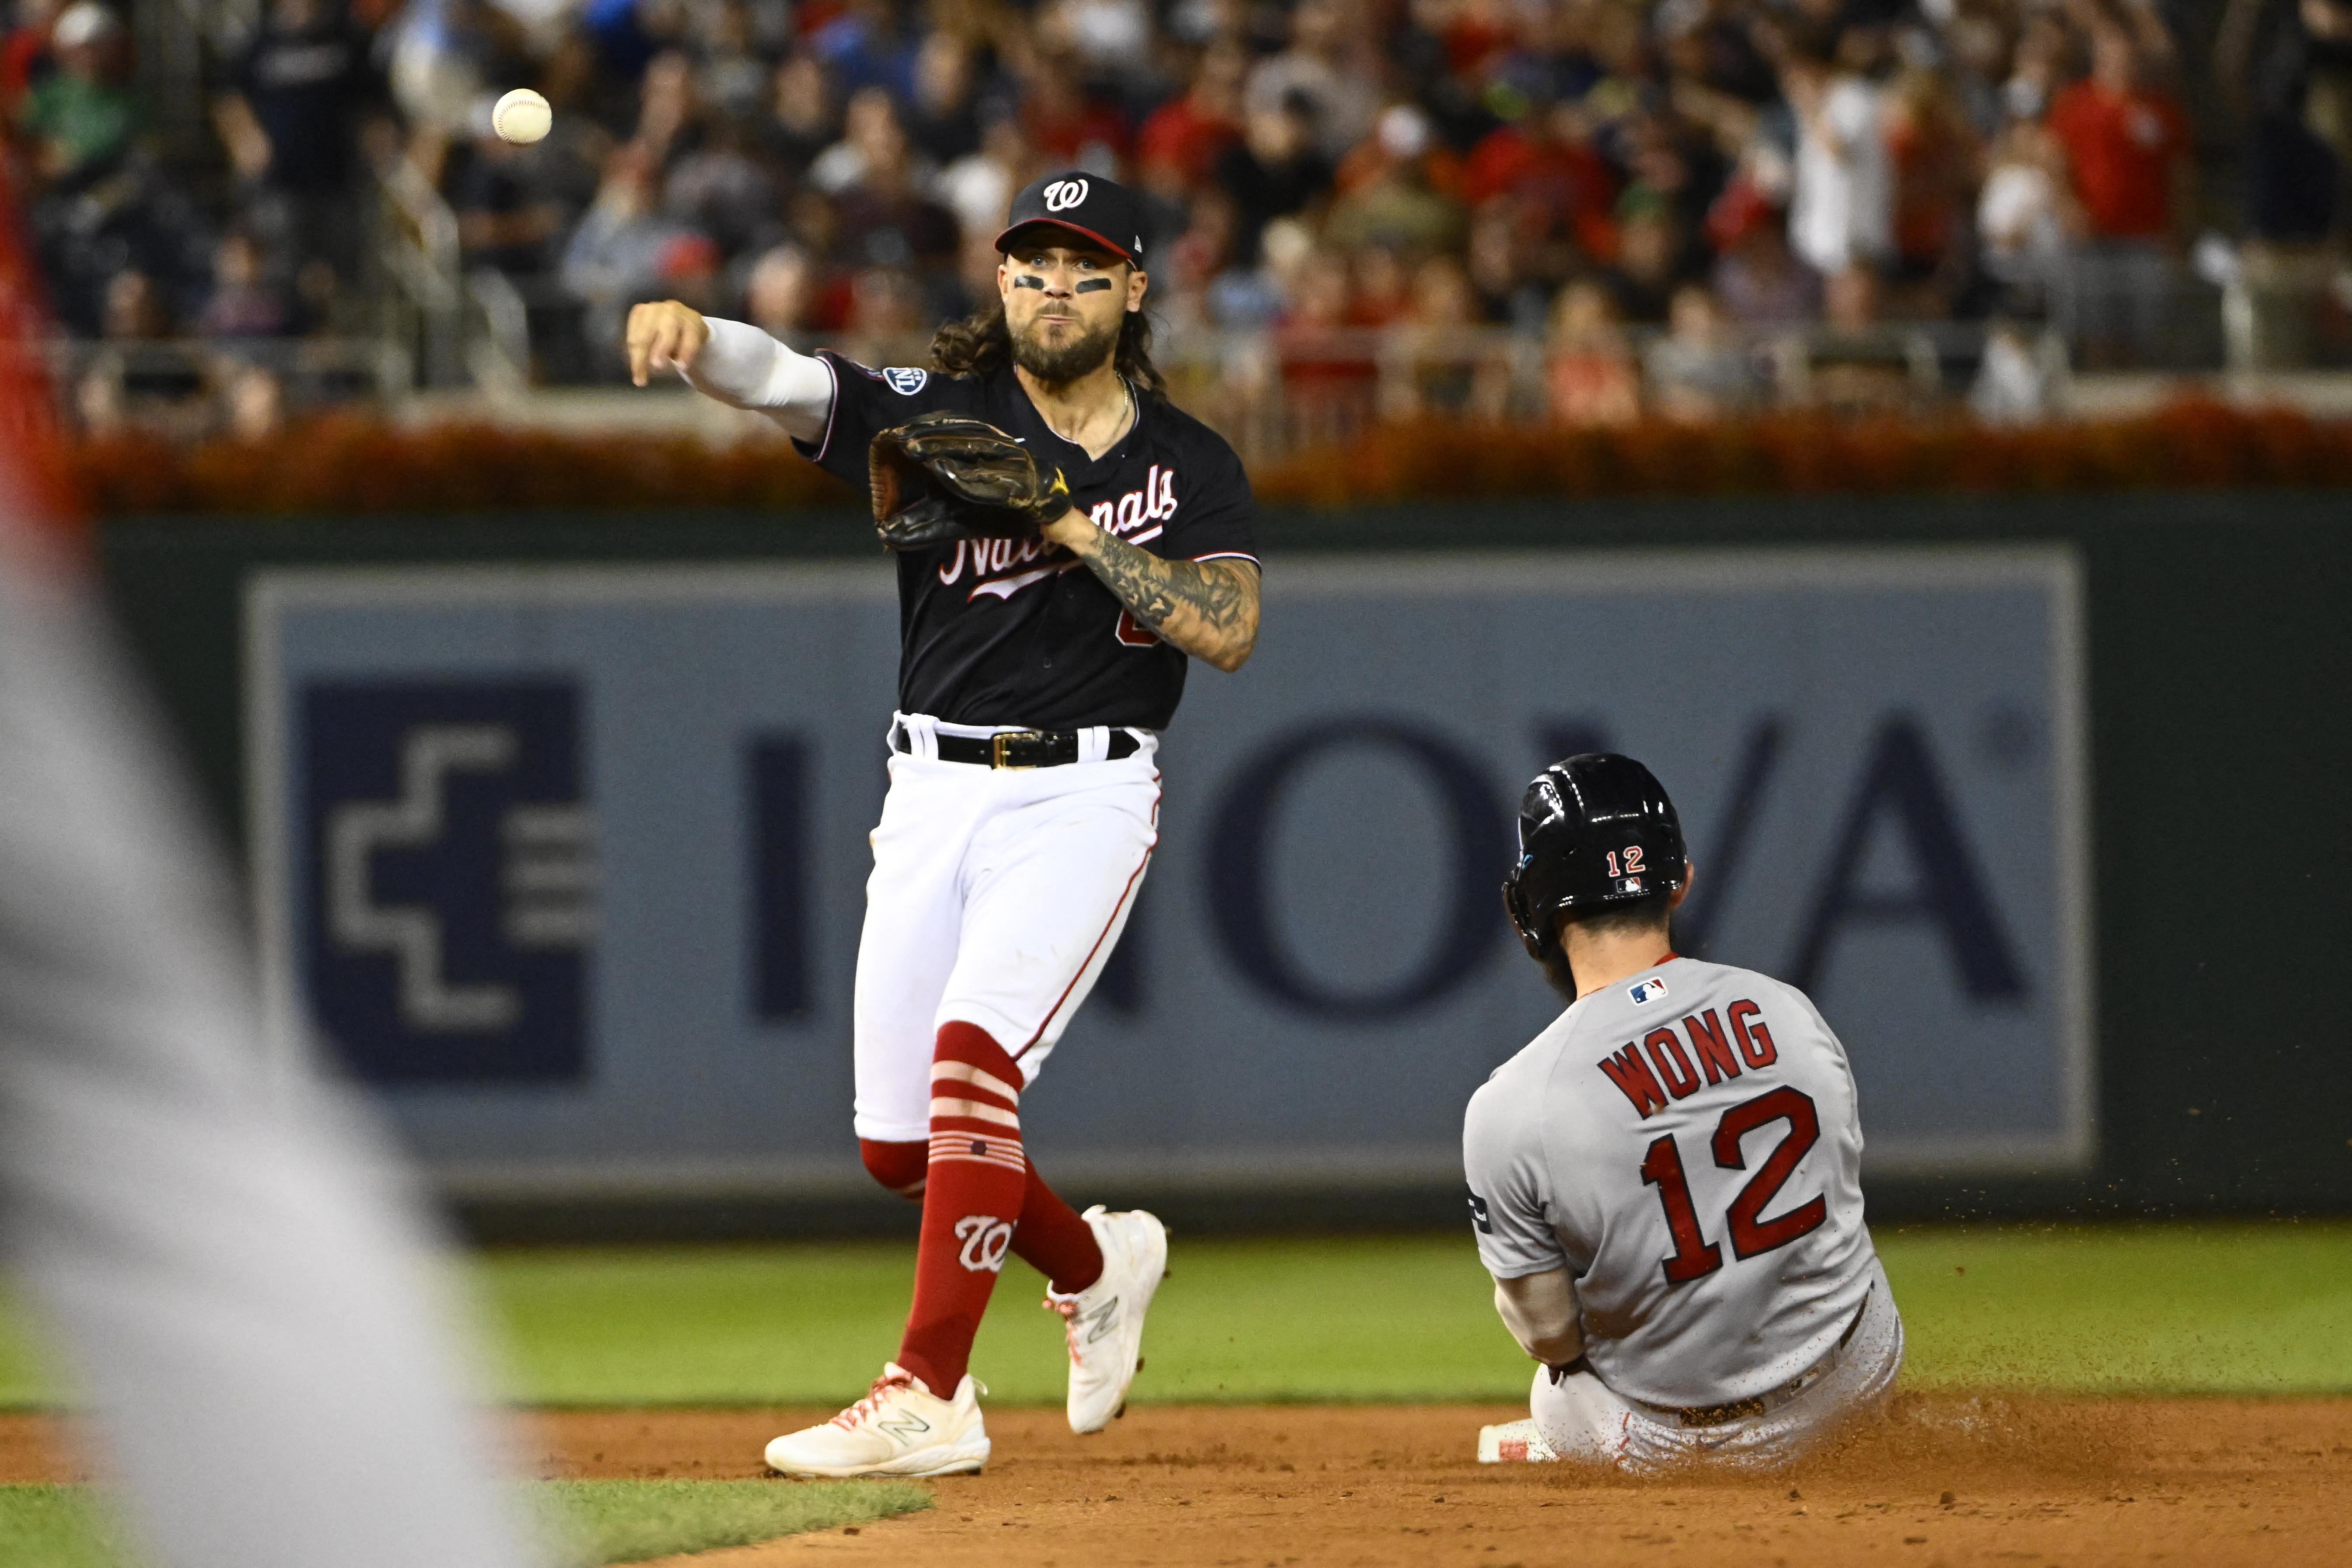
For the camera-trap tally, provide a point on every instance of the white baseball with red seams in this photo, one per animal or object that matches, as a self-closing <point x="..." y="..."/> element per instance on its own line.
<point x="997" y="896"/>
<point x="521" y="117"/>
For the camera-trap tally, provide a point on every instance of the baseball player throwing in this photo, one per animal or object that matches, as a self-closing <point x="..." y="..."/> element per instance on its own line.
<point x="1664" y="1185"/>
<point x="1066" y="541"/>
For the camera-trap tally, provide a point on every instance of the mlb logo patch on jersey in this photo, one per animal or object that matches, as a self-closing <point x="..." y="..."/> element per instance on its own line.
<point x="906" y="380"/>
<point x="1648" y="990"/>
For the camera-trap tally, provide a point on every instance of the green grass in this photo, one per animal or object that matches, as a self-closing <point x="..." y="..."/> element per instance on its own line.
<point x="56" y="1526"/>
<point x="2240" y="1308"/>
<point x="593" y="1522"/>
<point x="628" y="1522"/>
<point x="2174" y="1308"/>
<point x="2263" y="1308"/>
<point x="1356" y="1319"/>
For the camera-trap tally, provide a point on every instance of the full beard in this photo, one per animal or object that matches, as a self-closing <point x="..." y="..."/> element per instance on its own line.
<point x="1056" y="364"/>
<point x="1556" y="970"/>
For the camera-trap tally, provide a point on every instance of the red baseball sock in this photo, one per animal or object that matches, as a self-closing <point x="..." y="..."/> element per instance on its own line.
<point x="1051" y="1236"/>
<point x="977" y="1176"/>
<point x="1055" y="1241"/>
<point x="897" y="1166"/>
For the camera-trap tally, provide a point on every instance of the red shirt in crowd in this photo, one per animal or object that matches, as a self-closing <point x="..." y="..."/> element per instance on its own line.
<point x="1183" y="135"/>
<point x="1559" y="183"/>
<point x="2121" y="148"/>
<point x="1064" y="132"/>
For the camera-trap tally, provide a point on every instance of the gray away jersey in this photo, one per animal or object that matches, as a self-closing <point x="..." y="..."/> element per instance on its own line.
<point x="1685" y="1143"/>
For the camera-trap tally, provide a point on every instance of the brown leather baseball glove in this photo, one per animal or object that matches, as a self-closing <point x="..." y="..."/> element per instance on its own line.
<point x="942" y="477"/>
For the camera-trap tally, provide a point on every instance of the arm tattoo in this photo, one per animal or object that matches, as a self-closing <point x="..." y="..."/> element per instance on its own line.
<point x="1154" y="588"/>
<point x="1159" y="591"/>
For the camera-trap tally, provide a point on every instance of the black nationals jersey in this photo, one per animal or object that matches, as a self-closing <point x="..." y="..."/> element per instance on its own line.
<point x="1010" y="631"/>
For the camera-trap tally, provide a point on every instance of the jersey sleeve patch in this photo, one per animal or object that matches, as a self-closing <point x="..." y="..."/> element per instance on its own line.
<point x="867" y="400"/>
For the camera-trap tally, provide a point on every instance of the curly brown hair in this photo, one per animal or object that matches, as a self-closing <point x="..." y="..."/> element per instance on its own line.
<point x="982" y="341"/>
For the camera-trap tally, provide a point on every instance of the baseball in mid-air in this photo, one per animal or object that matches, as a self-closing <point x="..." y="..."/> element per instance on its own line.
<point x="521" y="117"/>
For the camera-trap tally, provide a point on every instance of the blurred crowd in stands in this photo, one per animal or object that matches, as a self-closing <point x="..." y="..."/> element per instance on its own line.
<point x="1642" y="193"/>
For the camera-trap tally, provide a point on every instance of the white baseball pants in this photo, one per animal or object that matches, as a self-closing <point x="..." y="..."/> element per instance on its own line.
<point x="1584" y="1420"/>
<point x="997" y="896"/>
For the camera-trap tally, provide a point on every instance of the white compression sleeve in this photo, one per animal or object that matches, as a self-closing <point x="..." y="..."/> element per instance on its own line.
<point x="743" y="366"/>
<point x="1540" y="1310"/>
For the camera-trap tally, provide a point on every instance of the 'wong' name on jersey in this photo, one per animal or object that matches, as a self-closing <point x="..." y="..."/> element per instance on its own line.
<point x="1716" y="1050"/>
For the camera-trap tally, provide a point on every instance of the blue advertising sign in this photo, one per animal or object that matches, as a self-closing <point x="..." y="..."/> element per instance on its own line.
<point x="452" y="878"/>
<point x="569" y="862"/>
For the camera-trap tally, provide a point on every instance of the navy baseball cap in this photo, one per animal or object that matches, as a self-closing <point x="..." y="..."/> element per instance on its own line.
<point x="1102" y="211"/>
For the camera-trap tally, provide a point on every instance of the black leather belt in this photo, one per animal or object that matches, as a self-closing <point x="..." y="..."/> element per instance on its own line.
<point x="1704" y="1415"/>
<point x="1019" y="747"/>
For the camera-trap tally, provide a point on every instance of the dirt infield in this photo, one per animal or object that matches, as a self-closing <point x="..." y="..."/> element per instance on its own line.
<point x="1947" y="1482"/>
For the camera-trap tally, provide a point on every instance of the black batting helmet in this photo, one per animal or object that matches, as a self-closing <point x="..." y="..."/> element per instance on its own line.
<point x="1595" y="829"/>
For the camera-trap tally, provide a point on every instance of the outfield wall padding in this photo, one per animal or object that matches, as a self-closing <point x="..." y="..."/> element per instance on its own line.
<point x="2219" y="755"/>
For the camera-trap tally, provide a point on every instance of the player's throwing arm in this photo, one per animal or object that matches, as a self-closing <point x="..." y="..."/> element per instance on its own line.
<point x="1666" y="1184"/>
<point x="1067" y="541"/>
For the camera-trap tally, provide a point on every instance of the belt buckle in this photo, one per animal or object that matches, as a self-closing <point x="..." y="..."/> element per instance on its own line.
<point x="999" y="748"/>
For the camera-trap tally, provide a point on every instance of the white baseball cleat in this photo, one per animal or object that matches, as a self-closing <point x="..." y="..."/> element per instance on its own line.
<point x="1512" y="1442"/>
<point x="1103" y="1322"/>
<point x="899" y="1428"/>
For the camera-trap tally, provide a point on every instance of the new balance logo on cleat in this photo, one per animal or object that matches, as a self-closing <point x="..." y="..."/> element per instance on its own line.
<point x="1099" y="1323"/>
<point x="905" y="1425"/>
<point x="899" y="1428"/>
<point x="1105" y="1320"/>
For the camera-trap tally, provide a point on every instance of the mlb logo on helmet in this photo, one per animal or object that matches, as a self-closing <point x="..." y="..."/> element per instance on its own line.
<point x="1648" y="990"/>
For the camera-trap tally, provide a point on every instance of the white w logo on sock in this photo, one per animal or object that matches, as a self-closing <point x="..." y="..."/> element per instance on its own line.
<point x="986" y="1239"/>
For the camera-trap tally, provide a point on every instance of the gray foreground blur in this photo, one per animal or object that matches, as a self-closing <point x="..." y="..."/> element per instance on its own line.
<point x="240" y="1284"/>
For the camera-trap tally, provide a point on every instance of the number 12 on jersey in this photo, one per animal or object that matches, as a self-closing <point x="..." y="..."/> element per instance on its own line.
<point x="1661" y="1167"/>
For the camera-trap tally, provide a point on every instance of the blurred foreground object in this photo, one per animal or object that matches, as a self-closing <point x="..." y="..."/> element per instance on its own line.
<point x="241" y="1289"/>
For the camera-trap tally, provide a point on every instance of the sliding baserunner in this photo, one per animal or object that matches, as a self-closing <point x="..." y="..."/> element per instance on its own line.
<point x="1067" y="541"/>
<point x="1666" y="1184"/>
